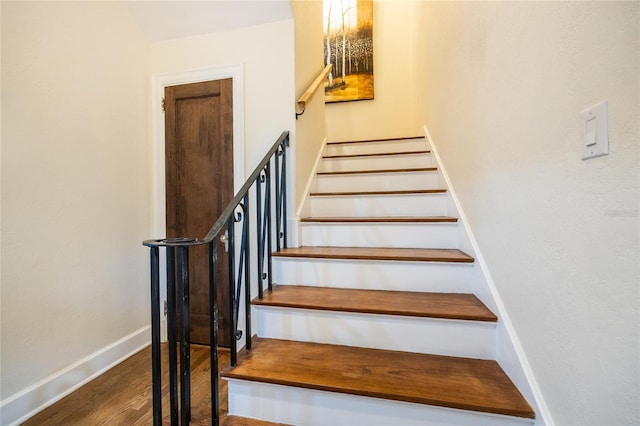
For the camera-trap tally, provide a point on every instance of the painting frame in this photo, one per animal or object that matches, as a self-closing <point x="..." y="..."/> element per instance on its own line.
<point x="348" y="46"/>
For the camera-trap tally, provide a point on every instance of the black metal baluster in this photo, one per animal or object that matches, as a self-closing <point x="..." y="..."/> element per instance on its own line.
<point x="277" y="160"/>
<point x="239" y="216"/>
<point x="171" y="332"/>
<point x="285" y="144"/>
<point x="269" y="228"/>
<point x="247" y="275"/>
<point x="156" y="367"/>
<point x="213" y="335"/>
<point x="232" y="281"/>
<point x="260" y="241"/>
<point x="185" y="350"/>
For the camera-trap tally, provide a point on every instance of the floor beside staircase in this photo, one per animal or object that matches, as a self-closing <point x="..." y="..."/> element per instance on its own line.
<point x="122" y="395"/>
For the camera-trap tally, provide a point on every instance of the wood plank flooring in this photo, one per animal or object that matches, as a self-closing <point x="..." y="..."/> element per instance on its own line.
<point x="402" y="303"/>
<point x="122" y="395"/>
<point x="377" y="253"/>
<point x="463" y="383"/>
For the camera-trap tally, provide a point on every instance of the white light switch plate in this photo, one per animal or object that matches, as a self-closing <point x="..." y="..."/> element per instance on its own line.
<point x="595" y="131"/>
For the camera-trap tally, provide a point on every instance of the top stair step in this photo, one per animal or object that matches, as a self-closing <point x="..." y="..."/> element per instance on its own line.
<point x="461" y="383"/>
<point x="378" y="253"/>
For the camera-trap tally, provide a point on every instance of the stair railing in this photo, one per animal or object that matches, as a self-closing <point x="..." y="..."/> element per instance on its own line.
<point x="267" y="193"/>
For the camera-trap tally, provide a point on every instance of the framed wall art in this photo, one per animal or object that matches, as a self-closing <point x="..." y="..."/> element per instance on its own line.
<point x="348" y="46"/>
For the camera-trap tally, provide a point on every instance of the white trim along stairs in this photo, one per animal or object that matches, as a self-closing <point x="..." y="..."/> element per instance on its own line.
<point x="383" y="315"/>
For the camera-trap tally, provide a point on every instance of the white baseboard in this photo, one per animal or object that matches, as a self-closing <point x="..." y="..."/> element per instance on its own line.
<point x="25" y="404"/>
<point x="511" y="356"/>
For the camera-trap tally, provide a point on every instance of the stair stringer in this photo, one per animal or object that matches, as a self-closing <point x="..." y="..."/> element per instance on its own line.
<point x="303" y="208"/>
<point x="510" y="354"/>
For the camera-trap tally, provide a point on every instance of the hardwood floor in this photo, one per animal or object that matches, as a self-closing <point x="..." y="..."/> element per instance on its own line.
<point x="122" y="396"/>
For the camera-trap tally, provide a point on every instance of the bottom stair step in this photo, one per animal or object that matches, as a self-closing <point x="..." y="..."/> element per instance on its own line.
<point x="244" y="421"/>
<point x="458" y="383"/>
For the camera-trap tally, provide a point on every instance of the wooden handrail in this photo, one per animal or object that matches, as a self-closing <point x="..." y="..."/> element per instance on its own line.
<point x="308" y="94"/>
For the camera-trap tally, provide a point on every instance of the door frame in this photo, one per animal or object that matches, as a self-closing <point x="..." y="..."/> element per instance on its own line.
<point x="158" y="83"/>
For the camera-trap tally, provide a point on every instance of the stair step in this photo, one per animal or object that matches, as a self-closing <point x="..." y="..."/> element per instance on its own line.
<point x="416" y="233"/>
<point x="415" y="179"/>
<point x="244" y="421"/>
<point x="375" y="146"/>
<point x="378" y="253"/>
<point x="459" y="383"/>
<point x="433" y="204"/>
<point x="374" y="140"/>
<point x="380" y="161"/>
<point x="389" y="219"/>
<point x="336" y="320"/>
<point x="429" y="305"/>
<point x="366" y="193"/>
<point x="377" y="154"/>
<point x="357" y="172"/>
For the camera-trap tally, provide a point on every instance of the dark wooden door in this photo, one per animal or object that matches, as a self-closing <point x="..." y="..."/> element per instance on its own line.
<point x="199" y="184"/>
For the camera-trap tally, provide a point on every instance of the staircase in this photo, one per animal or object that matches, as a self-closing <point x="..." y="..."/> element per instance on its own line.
<point x="373" y="320"/>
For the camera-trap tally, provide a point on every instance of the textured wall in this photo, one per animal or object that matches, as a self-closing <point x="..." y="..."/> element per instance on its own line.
<point x="502" y="85"/>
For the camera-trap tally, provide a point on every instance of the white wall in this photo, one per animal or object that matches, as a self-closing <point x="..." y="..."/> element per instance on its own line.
<point x="392" y="111"/>
<point x="310" y="127"/>
<point x="75" y="192"/>
<point x="502" y="85"/>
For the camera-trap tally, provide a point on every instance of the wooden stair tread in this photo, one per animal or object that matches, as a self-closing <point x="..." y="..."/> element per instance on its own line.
<point x="357" y="172"/>
<point x="378" y="253"/>
<point x="375" y="140"/>
<point x="377" y="154"/>
<point x="244" y="421"/>
<point x="403" y="303"/>
<point x="400" y="192"/>
<point x="396" y="219"/>
<point x="462" y="383"/>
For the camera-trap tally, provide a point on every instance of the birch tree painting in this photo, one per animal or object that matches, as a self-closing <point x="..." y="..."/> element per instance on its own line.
<point x="348" y="45"/>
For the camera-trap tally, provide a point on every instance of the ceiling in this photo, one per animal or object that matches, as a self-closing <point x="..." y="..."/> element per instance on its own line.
<point x="165" y="20"/>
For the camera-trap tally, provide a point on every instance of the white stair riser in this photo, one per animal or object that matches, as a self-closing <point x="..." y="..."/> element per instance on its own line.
<point x="383" y="162"/>
<point x="307" y="407"/>
<point x="377" y="182"/>
<point x="374" y="147"/>
<point x="376" y="275"/>
<point x="379" y="205"/>
<point x="470" y="339"/>
<point x="399" y="235"/>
